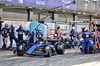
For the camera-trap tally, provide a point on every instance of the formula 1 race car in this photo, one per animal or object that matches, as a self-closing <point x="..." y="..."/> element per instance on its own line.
<point x="46" y="48"/>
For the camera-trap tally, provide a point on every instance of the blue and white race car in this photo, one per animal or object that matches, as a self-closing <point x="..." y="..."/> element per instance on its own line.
<point x="47" y="48"/>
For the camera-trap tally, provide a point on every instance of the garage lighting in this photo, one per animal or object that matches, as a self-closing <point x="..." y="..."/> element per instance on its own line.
<point x="74" y="12"/>
<point x="79" y="13"/>
<point x="95" y="14"/>
<point x="30" y="7"/>
<point x="63" y="11"/>
<point x="84" y="13"/>
<point x="56" y="10"/>
<point x="7" y="5"/>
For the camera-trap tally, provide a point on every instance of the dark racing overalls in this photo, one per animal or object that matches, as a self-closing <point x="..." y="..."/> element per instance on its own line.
<point x="91" y="46"/>
<point x="30" y="41"/>
<point x="68" y="43"/>
<point x="99" y="41"/>
<point x="39" y="35"/>
<point x="72" y="37"/>
<point x="5" y="35"/>
<point x="86" y="35"/>
<point x="12" y="36"/>
<point x="20" y="34"/>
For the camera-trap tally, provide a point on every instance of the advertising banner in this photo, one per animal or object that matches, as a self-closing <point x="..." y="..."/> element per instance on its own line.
<point x="16" y="1"/>
<point x="48" y="3"/>
<point x="52" y="3"/>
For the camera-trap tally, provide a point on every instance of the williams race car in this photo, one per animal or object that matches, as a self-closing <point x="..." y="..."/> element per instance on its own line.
<point x="47" y="48"/>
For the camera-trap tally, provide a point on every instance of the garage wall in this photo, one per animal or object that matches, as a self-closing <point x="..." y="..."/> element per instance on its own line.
<point x="69" y="16"/>
<point x="15" y="14"/>
<point x="88" y="6"/>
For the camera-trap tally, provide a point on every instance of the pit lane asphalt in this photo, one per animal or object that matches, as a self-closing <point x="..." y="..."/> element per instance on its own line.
<point x="72" y="57"/>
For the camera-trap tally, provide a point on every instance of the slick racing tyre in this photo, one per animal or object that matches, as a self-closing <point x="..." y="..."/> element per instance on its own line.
<point x="60" y="49"/>
<point x="21" y="49"/>
<point x="48" y="51"/>
<point x="94" y="49"/>
<point x="14" y="51"/>
<point x="48" y="54"/>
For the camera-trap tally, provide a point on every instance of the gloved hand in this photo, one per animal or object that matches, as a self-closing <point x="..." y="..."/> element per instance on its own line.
<point x="14" y="33"/>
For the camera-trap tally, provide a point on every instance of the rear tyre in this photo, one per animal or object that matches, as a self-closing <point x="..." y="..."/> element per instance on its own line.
<point x="60" y="49"/>
<point x="14" y="52"/>
<point x="94" y="49"/>
<point x="21" y="49"/>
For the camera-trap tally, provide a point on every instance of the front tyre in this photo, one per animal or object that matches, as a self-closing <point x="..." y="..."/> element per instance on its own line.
<point x="48" y="51"/>
<point x="48" y="54"/>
